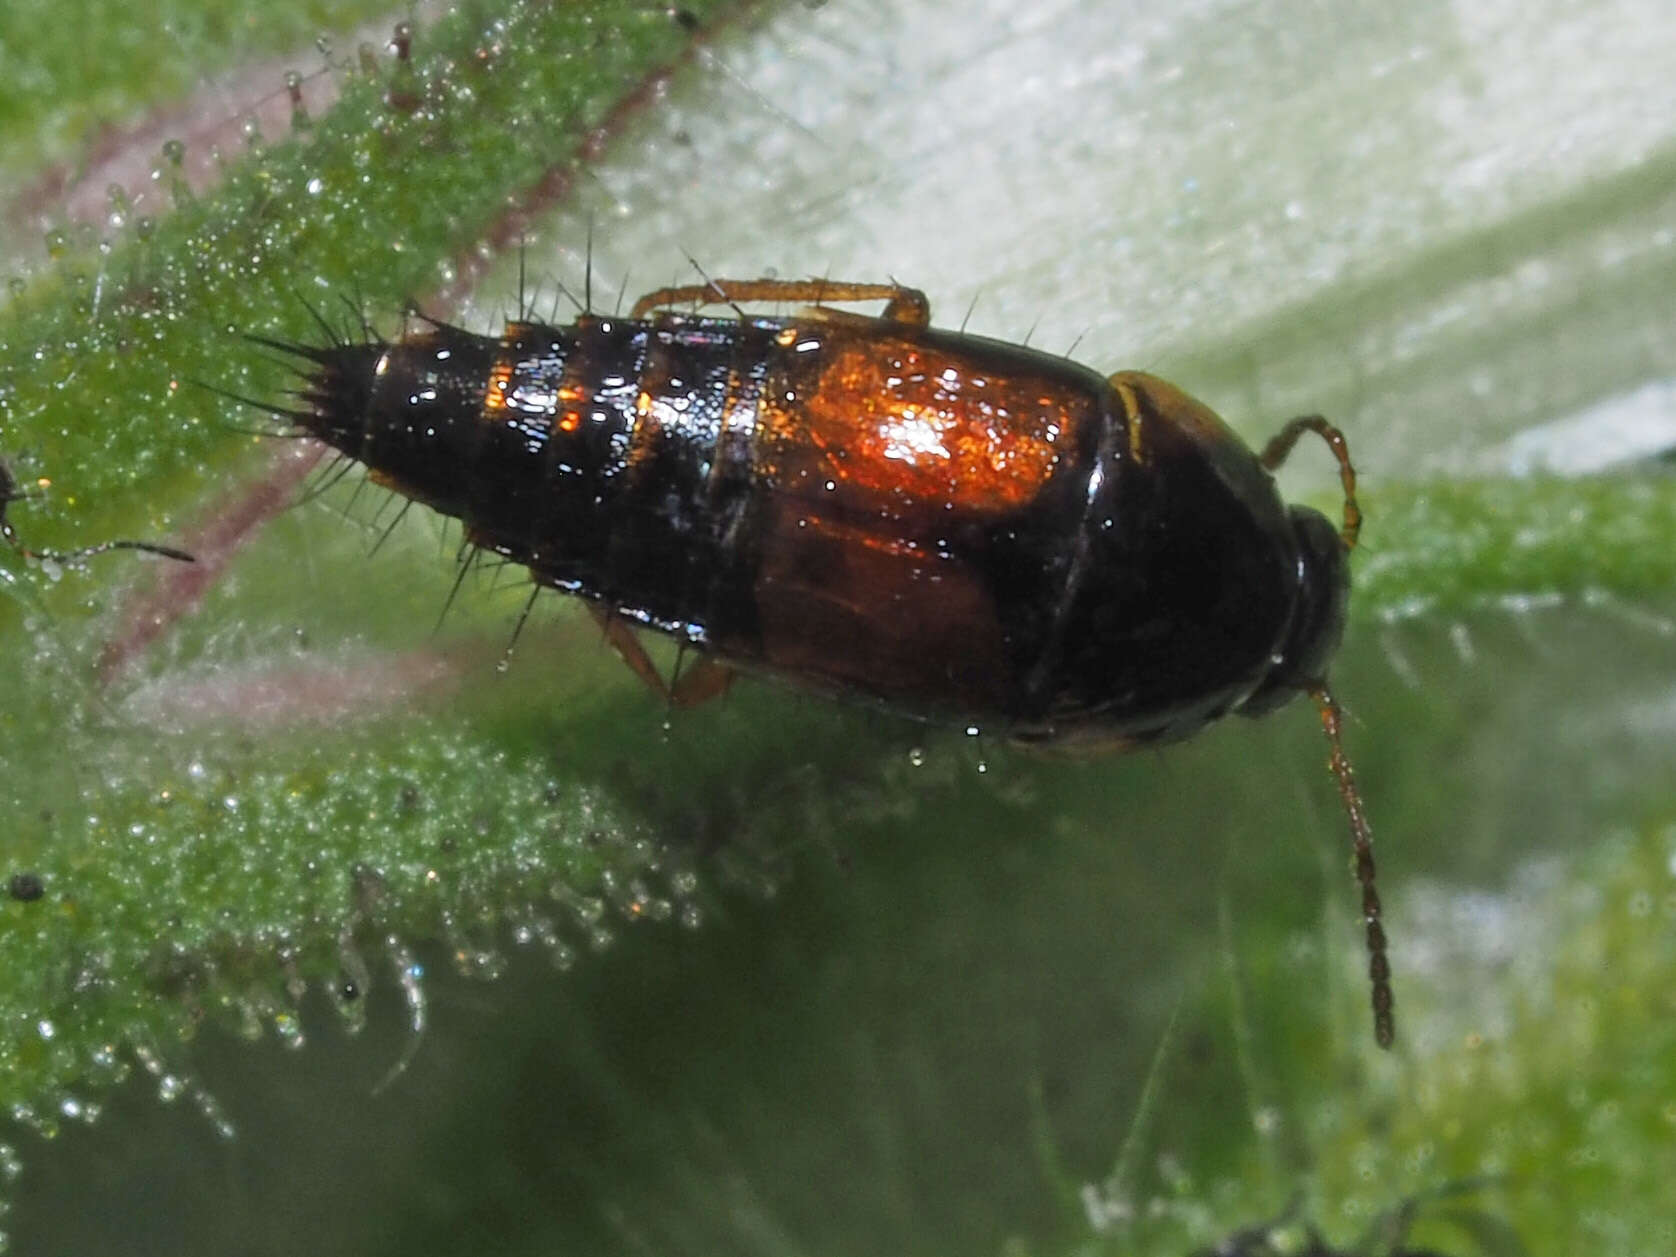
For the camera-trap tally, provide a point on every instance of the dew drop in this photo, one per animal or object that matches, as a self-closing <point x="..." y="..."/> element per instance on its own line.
<point x="288" y="1027"/>
<point x="410" y="976"/>
<point x="209" y="1108"/>
<point x="116" y="196"/>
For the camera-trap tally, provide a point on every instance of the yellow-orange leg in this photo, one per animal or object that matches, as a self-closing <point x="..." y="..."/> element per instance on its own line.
<point x="1275" y="452"/>
<point x="902" y="304"/>
<point x="708" y="678"/>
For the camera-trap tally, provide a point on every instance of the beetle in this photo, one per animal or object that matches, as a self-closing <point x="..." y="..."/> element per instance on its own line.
<point x="957" y="528"/>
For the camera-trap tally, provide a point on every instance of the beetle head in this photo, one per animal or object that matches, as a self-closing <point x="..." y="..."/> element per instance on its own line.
<point x="1317" y="619"/>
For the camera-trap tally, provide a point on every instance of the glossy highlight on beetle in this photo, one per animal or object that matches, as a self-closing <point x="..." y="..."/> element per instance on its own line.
<point x="960" y="529"/>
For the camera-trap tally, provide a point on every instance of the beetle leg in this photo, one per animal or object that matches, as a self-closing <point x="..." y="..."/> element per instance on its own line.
<point x="708" y="678"/>
<point x="1275" y="452"/>
<point x="902" y="304"/>
<point x="621" y="637"/>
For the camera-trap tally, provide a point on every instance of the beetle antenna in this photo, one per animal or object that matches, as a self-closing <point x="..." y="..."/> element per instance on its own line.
<point x="1361" y="839"/>
<point x="1275" y="452"/>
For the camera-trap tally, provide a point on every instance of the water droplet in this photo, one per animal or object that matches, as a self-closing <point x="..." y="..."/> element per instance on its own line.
<point x="116" y="196"/>
<point x="349" y="992"/>
<point x="106" y="1066"/>
<point x="410" y="975"/>
<point x="209" y="1108"/>
<point x="288" y="1027"/>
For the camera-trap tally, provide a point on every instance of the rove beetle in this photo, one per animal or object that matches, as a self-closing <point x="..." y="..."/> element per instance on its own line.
<point x="957" y="528"/>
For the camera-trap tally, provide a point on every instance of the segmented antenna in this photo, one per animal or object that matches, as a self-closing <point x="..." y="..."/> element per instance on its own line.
<point x="1361" y="840"/>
